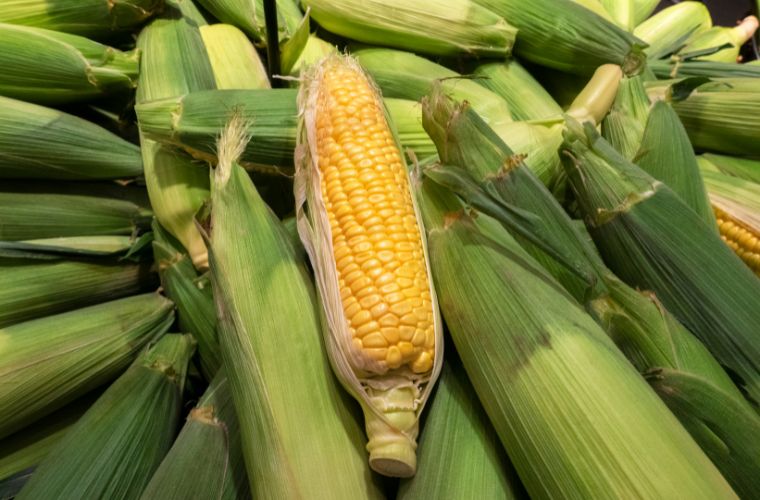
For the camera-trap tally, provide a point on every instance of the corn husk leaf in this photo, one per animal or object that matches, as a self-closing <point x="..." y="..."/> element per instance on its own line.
<point x="624" y="126"/>
<point x="731" y="39"/>
<point x="116" y="446"/>
<point x="622" y="12"/>
<point x="43" y="143"/>
<point x="653" y="241"/>
<point x="234" y="60"/>
<point x="642" y="9"/>
<point x="314" y="50"/>
<point x="742" y="168"/>
<point x="668" y="30"/>
<point x="460" y="453"/>
<point x="48" y="362"/>
<point x="259" y="282"/>
<point x="248" y="15"/>
<point x="91" y="18"/>
<point x="675" y="68"/>
<point x="563" y="35"/>
<point x="68" y="247"/>
<point x="452" y="27"/>
<point x="596" y="397"/>
<point x="206" y="460"/>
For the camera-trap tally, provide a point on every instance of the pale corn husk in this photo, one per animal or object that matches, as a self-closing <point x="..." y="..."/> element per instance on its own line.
<point x="37" y="216"/>
<point x="407" y="118"/>
<point x="70" y="246"/>
<point x="460" y="453"/>
<point x="526" y="98"/>
<point x="669" y="29"/>
<point x="248" y="15"/>
<point x="314" y="50"/>
<point x="32" y="288"/>
<point x="720" y="115"/>
<point x="622" y="12"/>
<point x="653" y="241"/>
<point x="22" y="451"/>
<point x="193" y="296"/>
<point x="676" y="68"/>
<point x="48" y="362"/>
<point x="407" y="76"/>
<point x="391" y="419"/>
<point x="273" y="352"/>
<point x="66" y="68"/>
<point x="718" y="36"/>
<point x="743" y="168"/>
<point x="206" y="460"/>
<point x="113" y="450"/>
<point x="91" y="18"/>
<point x="563" y="35"/>
<point x="452" y="27"/>
<point x="558" y="392"/>
<point x="43" y="143"/>
<point x="596" y="7"/>
<point x="642" y="9"/>
<point x="626" y="122"/>
<point x="234" y="60"/>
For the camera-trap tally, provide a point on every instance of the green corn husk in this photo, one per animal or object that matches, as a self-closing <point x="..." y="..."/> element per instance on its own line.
<point x="22" y="451"/>
<point x="193" y="296"/>
<point x="69" y="247"/>
<point x="558" y="392"/>
<point x="116" y="446"/>
<point x="538" y="143"/>
<point x="314" y="50"/>
<point x="206" y="460"/>
<point x="234" y="60"/>
<point x="720" y="115"/>
<point x="33" y="288"/>
<point x="676" y="68"/>
<point x="459" y="451"/>
<point x="526" y="98"/>
<point x="275" y="367"/>
<point x="642" y="9"/>
<point x="666" y="154"/>
<point x="596" y="7"/>
<point x="407" y="76"/>
<point x="407" y="120"/>
<point x="43" y="143"/>
<point x="669" y="29"/>
<point x="452" y="27"/>
<point x="90" y="18"/>
<point x="622" y="12"/>
<point x="636" y="323"/>
<point x="48" y="362"/>
<point x="66" y="68"/>
<point x="563" y="35"/>
<point x="38" y="216"/>
<point x="248" y="15"/>
<point x="742" y="168"/>
<point x="174" y="62"/>
<point x="625" y="125"/>
<point x="718" y="36"/>
<point x="653" y="241"/>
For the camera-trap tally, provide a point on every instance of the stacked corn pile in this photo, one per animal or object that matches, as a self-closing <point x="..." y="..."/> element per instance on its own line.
<point x="496" y="249"/>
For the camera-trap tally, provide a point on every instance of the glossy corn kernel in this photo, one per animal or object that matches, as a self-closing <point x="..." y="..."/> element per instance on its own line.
<point x="744" y="241"/>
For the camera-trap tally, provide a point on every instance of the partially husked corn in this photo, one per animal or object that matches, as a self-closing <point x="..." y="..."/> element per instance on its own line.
<point x="742" y="240"/>
<point x="376" y="240"/>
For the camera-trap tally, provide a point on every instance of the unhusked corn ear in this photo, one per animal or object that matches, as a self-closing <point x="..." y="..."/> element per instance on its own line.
<point x="206" y="459"/>
<point x="48" y="362"/>
<point x="406" y="116"/>
<point x="734" y="166"/>
<point x="314" y="50"/>
<point x="248" y="15"/>
<point x="669" y="29"/>
<point x="113" y="450"/>
<point x="718" y="36"/>
<point x="452" y="26"/>
<point x="33" y="288"/>
<point x="642" y="9"/>
<point x="50" y="67"/>
<point x="621" y="11"/>
<point x="91" y="18"/>
<point x="626" y="122"/>
<point x="675" y="68"/>
<point x="596" y="7"/>
<point x="234" y="60"/>
<point x="360" y="227"/>
<point x="44" y="143"/>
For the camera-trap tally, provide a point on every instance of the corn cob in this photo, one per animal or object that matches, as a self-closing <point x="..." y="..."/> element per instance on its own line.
<point x="452" y="27"/>
<point x="563" y="35"/>
<point x="718" y="115"/>
<point x="460" y="453"/>
<point x="718" y="36"/>
<point x="33" y="288"/>
<point x="530" y="350"/>
<point x="652" y="339"/>
<point x="362" y="233"/>
<point x="120" y="441"/>
<point x="44" y="365"/>
<point x="676" y="68"/>
<point x="248" y="15"/>
<point x="90" y="18"/>
<point x="742" y="168"/>
<point x="526" y="98"/>
<point x="274" y="367"/>
<point x="624" y="126"/>
<point x="206" y="460"/>
<point x="652" y="240"/>
<point x="407" y="76"/>
<point x="66" y="67"/>
<point x="193" y="296"/>
<point x="22" y="451"/>
<point x="234" y="61"/>
<point x="43" y="143"/>
<point x="668" y="30"/>
<point x="642" y="9"/>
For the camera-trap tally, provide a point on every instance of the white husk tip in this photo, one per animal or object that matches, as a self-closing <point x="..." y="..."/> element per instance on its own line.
<point x="231" y="145"/>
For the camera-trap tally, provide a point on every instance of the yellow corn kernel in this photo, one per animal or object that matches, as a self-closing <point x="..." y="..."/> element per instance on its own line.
<point x="742" y="239"/>
<point x="380" y="245"/>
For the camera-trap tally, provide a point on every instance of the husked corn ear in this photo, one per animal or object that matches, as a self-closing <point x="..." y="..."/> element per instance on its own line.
<point x="742" y="239"/>
<point x="361" y="229"/>
<point x="669" y="29"/>
<point x="90" y="18"/>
